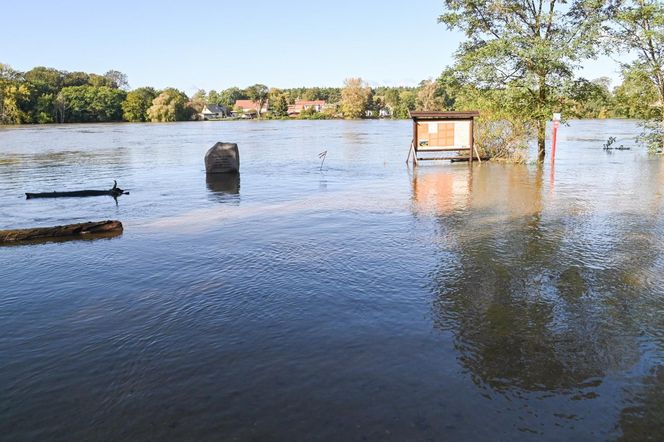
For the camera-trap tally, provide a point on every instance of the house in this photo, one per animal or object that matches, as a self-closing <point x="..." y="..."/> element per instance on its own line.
<point x="295" y="109"/>
<point x="213" y="111"/>
<point x="248" y="108"/>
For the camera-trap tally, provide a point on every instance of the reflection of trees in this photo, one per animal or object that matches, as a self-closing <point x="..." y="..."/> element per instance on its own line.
<point x="525" y="313"/>
<point x="643" y="418"/>
<point x="639" y="299"/>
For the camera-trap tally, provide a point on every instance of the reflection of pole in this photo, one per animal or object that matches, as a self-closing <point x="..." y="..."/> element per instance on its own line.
<point x="556" y="124"/>
<point x="552" y="177"/>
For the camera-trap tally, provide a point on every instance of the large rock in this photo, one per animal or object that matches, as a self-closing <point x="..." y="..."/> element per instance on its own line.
<point x="222" y="158"/>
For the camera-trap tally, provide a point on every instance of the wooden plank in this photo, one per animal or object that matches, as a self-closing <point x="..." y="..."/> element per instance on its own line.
<point x="415" y="138"/>
<point x="470" y="140"/>
<point x="444" y="115"/>
<point x="443" y="158"/>
<point x="442" y="149"/>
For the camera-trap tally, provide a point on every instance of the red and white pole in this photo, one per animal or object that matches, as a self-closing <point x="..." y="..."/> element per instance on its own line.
<point x="556" y="124"/>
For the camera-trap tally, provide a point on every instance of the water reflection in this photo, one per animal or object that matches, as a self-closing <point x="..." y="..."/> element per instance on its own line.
<point x="441" y="190"/>
<point x="223" y="185"/>
<point x="525" y="313"/>
<point x="643" y="418"/>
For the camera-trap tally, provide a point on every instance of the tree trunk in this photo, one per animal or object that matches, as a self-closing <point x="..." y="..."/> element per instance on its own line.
<point x="541" y="140"/>
<point x="541" y="123"/>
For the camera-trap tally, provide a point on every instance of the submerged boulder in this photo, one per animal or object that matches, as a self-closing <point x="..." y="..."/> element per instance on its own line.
<point x="222" y="158"/>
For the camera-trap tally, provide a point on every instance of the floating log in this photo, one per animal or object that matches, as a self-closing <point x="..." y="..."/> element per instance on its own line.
<point x="71" y="231"/>
<point x="115" y="192"/>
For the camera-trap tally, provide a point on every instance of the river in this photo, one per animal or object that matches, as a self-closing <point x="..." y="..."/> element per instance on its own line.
<point x="364" y="301"/>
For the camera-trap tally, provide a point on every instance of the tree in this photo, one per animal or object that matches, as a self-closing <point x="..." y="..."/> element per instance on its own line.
<point x="82" y="104"/>
<point x="354" y="97"/>
<point x="169" y="105"/>
<point x="117" y="79"/>
<point x="213" y="97"/>
<point x="258" y="93"/>
<point x="229" y="96"/>
<point x="407" y="103"/>
<point x="75" y="79"/>
<point x="531" y="46"/>
<point x="44" y="84"/>
<point x="429" y="97"/>
<point x="640" y="29"/>
<point x="199" y="100"/>
<point x="588" y="99"/>
<point x="280" y="107"/>
<point x="13" y="96"/>
<point x="635" y="96"/>
<point x="136" y="105"/>
<point x="10" y="80"/>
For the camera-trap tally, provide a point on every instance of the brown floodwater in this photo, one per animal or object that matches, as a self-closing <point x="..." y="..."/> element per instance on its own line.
<point x="364" y="301"/>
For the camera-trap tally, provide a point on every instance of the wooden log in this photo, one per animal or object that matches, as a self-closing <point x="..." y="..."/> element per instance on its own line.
<point x="81" y="230"/>
<point x="115" y="192"/>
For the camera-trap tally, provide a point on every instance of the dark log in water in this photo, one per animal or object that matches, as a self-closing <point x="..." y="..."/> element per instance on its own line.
<point x="115" y="192"/>
<point x="81" y="230"/>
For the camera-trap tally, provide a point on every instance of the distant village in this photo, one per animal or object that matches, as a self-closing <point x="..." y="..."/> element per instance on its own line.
<point x="248" y="109"/>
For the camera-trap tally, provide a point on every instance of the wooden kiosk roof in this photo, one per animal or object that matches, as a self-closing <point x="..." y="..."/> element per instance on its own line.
<point x="447" y="115"/>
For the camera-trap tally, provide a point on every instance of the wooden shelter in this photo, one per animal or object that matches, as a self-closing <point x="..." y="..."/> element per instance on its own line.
<point x="442" y="136"/>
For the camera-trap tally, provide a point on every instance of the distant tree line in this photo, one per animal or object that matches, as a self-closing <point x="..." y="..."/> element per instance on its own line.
<point x="47" y="95"/>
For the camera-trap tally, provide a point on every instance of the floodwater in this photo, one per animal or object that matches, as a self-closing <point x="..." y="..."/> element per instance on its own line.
<point x="366" y="301"/>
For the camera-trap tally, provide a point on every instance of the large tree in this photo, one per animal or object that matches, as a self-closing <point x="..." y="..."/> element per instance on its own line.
<point x="258" y="93"/>
<point x="44" y="84"/>
<point x="354" y="98"/>
<point x="430" y="96"/>
<point x="529" y="45"/>
<point x="640" y="29"/>
<point x="229" y="96"/>
<point x="170" y="105"/>
<point x="82" y="104"/>
<point x="136" y="105"/>
<point x="117" y="79"/>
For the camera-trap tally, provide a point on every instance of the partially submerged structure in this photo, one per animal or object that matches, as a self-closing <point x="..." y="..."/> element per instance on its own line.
<point x="442" y="136"/>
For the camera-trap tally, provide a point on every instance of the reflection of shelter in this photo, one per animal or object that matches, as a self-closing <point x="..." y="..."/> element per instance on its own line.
<point x="441" y="190"/>
<point x="447" y="135"/>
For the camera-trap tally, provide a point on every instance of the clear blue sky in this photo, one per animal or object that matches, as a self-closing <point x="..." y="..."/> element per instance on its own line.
<point x="218" y="44"/>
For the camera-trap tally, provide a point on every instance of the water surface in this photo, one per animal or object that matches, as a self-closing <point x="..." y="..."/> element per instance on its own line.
<point x="366" y="301"/>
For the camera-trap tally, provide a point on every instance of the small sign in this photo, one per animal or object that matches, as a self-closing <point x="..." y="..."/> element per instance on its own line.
<point x="556" y="117"/>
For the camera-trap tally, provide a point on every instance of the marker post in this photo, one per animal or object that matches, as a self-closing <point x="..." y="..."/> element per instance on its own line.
<point x="556" y="124"/>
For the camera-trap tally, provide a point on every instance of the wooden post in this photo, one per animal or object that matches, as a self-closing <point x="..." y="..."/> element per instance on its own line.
<point x="556" y="123"/>
<point x="415" y="141"/>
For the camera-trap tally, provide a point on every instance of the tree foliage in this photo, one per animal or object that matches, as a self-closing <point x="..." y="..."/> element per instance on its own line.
<point x="279" y="105"/>
<point x="354" y="98"/>
<point x="136" y="105"/>
<point x="170" y="105"/>
<point x="258" y="93"/>
<point x="529" y="46"/>
<point x="90" y="104"/>
<point x="639" y="27"/>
